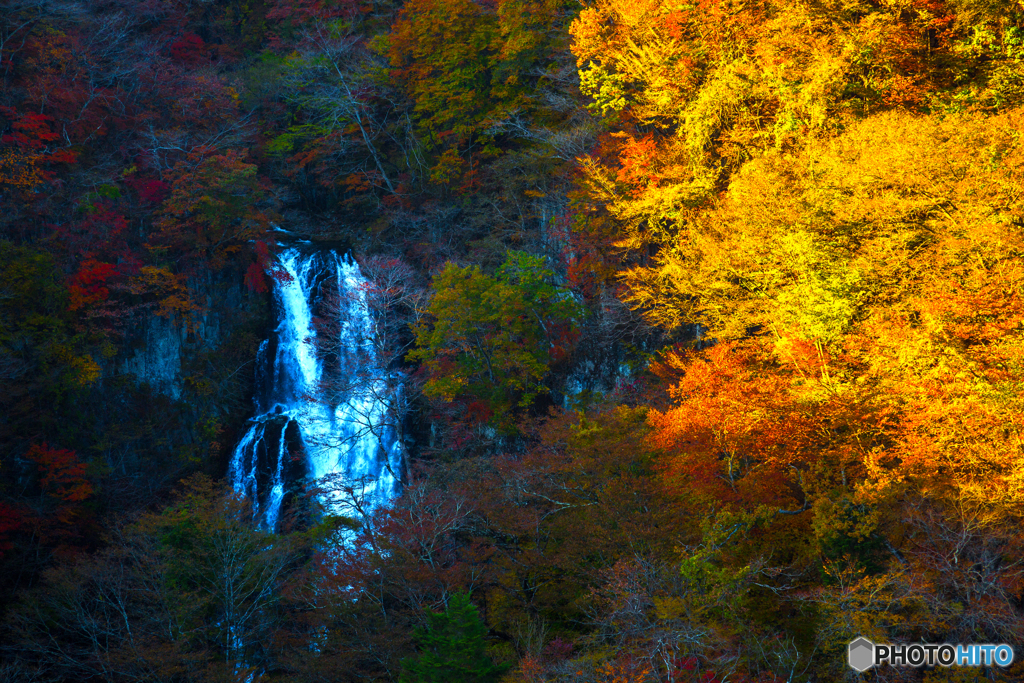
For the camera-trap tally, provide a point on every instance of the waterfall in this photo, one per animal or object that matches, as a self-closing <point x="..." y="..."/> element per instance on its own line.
<point x="328" y="408"/>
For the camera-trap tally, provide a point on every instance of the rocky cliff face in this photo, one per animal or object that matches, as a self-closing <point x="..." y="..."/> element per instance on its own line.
<point x="162" y="346"/>
<point x="156" y="357"/>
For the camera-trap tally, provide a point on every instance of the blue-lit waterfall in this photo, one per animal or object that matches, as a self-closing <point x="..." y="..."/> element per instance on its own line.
<point x="324" y="403"/>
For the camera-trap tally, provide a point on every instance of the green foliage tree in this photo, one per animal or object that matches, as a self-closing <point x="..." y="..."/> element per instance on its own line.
<point x="227" y="570"/>
<point x="43" y="363"/>
<point x="493" y="338"/>
<point x="449" y="78"/>
<point x="453" y="648"/>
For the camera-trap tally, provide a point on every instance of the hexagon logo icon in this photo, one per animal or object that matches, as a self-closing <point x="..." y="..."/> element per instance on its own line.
<point x="861" y="654"/>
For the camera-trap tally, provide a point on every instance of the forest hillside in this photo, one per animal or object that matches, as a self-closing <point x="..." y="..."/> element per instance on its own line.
<point x="709" y="319"/>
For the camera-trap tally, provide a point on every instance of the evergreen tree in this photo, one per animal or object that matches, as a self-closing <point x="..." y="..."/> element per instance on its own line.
<point x="452" y="648"/>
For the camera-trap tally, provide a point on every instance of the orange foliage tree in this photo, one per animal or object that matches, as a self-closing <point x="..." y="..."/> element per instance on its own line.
<point x="780" y="175"/>
<point x="866" y="298"/>
<point x="215" y="206"/>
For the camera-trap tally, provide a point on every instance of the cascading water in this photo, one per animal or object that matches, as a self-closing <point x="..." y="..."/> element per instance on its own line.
<point x="322" y="393"/>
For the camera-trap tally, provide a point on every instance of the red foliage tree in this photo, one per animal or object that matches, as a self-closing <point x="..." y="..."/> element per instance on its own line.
<point x="188" y="49"/>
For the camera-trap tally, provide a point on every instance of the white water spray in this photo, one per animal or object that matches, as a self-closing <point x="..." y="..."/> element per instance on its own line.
<point x="343" y="418"/>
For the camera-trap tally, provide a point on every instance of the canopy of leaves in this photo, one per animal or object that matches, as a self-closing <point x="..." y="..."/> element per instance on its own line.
<point x="452" y="647"/>
<point x="492" y="338"/>
<point x="797" y="229"/>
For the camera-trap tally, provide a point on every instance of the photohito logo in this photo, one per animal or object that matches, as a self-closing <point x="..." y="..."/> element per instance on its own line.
<point x="863" y="654"/>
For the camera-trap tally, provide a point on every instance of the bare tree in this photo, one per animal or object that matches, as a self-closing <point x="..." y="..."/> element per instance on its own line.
<point x="179" y="595"/>
<point x="336" y="82"/>
<point x="363" y="334"/>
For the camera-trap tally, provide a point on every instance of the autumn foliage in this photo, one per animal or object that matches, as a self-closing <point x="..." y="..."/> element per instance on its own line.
<point x="708" y="318"/>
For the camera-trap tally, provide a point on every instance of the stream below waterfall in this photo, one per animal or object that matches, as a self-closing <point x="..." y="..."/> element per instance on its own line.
<point x="327" y="412"/>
